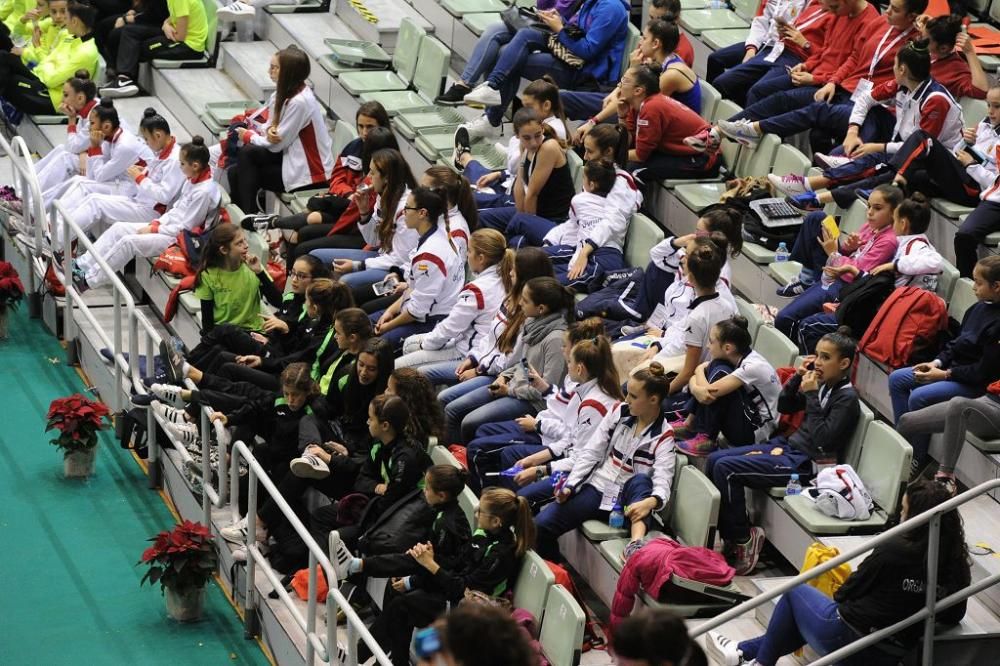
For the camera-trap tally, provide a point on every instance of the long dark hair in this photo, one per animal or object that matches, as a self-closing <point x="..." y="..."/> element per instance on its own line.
<point x="377" y="139"/>
<point x="293" y="64"/>
<point x="615" y="137"/>
<point x="357" y="395"/>
<point x="398" y="178"/>
<point x="211" y="255"/>
<point x="954" y="564"/>
<point x="529" y="262"/>
<point x="426" y="415"/>
<point x="457" y="191"/>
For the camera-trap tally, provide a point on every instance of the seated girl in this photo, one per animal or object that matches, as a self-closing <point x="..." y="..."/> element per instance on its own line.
<point x="887" y="587"/>
<point x="426" y="413"/>
<point x="628" y="462"/>
<point x="463" y="213"/>
<point x="735" y="394"/>
<point x="471" y="319"/>
<point x="196" y="206"/>
<point x="547" y="308"/>
<point x="66" y="159"/>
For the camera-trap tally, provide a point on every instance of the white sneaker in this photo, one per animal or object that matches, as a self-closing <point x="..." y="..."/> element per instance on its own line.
<point x="169" y="394"/>
<point x="309" y="466"/>
<point x="235" y="533"/>
<point x="339" y="554"/>
<point x="240" y="554"/>
<point x="483" y="95"/>
<point x="831" y="161"/>
<point x="236" y="11"/>
<point x="170" y="415"/>
<point x="723" y="650"/>
<point x="789" y="185"/>
<point x="741" y="130"/>
<point x="185" y="433"/>
<point x="480" y="128"/>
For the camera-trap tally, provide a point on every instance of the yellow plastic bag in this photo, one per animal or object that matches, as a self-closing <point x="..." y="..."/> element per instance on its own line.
<point x="829" y="582"/>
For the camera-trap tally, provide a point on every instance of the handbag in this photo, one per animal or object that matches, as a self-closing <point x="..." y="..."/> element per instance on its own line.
<point x="559" y="50"/>
<point x="477" y="598"/>
<point x="520" y="18"/>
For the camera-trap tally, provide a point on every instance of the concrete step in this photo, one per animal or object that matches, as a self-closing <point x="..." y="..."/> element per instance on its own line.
<point x="246" y="63"/>
<point x="387" y="15"/>
<point x="187" y="91"/>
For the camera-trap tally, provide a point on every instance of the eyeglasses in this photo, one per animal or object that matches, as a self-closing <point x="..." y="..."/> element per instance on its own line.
<point x="300" y="276"/>
<point x="412" y="208"/>
<point x="483" y="513"/>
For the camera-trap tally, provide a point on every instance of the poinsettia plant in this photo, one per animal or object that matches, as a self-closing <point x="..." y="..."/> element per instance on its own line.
<point x="11" y="289"/>
<point x="181" y="559"/>
<point x="77" y="419"/>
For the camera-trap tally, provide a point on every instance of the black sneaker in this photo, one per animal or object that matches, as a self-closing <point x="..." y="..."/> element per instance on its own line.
<point x="124" y="86"/>
<point x="454" y="96"/>
<point x="463" y="144"/>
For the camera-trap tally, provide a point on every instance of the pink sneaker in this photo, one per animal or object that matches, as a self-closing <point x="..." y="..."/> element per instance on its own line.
<point x="699" y="445"/>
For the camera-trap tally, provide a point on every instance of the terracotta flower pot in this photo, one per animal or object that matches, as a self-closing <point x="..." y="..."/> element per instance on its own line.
<point x="185" y="605"/>
<point x="79" y="464"/>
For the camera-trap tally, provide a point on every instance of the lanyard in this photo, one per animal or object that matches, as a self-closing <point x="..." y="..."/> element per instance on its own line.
<point x="319" y="353"/>
<point x="880" y="52"/>
<point x="820" y="13"/>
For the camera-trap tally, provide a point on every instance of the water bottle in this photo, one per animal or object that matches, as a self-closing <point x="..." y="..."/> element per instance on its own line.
<point x="793" y="487"/>
<point x="511" y="472"/>
<point x="558" y="481"/>
<point x="781" y="254"/>
<point x="616" y="519"/>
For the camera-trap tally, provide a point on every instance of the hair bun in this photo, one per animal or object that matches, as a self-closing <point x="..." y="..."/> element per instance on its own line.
<point x="656" y="369"/>
<point x="196" y="140"/>
<point x="740" y="321"/>
<point x="149" y="112"/>
<point x="81" y="74"/>
<point x="920" y="198"/>
<point x="845" y="330"/>
<point x="107" y="103"/>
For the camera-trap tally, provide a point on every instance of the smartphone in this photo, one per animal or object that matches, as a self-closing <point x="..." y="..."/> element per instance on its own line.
<point x="386" y="286"/>
<point x="524" y="366"/>
<point x="976" y="156"/>
<point x="831" y="227"/>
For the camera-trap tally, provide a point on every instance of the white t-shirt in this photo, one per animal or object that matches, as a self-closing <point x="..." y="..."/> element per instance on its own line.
<point x="703" y="313"/>
<point x="760" y="382"/>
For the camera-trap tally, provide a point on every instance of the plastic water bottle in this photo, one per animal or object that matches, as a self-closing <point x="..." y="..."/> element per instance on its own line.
<point x="616" y="519"/>
<point x="558" y="481"/>
<point x="781" y="254"/>
<point x="717" y="4"/>
<point x="793" y="487"/>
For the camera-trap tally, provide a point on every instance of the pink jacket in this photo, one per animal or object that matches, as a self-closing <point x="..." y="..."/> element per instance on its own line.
<point x="877" y="247"/>
<point x="651" y="566"/>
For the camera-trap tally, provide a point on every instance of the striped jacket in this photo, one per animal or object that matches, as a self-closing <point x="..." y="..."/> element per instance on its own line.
<point x="471" y="319"/>
<point x="583" y="414"/>
<point x="305" y="142"/>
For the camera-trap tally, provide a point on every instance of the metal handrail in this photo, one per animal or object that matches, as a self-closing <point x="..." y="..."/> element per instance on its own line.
<point x="317" y="556"/>
<point x="927" y="614"/>
<point x="32" y="209"/>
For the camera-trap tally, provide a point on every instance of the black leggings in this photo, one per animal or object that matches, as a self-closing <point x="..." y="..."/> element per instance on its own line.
<point x="20" y="87"/>
<point x="257" y="168"/>
<point x="401" y="614"/>
<point x="329" y="207"/>
<point x="222" y="345"/>
<point x="139" y="43"/>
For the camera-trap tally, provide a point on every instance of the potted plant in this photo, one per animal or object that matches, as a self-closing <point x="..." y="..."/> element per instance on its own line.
<point x="182" y="561"/>
<point x="77" y="419"/>
<point x="11" y="293"/>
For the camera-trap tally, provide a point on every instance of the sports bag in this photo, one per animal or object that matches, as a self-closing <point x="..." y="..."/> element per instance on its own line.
<point x="910" y="320"/>
<point x="839" y="492"/>
<point x="861" y="299"/>
<point x="616" y="301"/>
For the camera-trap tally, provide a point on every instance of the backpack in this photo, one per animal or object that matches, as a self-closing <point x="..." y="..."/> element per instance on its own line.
<point x="617" y="300"/>
<point x="739" y="194"/>
<point x="910" y="319"/>
<point x="828" y="583"/>
<point x="839" y="492"/>
<point x="861" y="299"/>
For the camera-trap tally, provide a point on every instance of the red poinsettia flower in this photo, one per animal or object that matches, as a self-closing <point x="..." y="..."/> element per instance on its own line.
<point x="182" y="558"/>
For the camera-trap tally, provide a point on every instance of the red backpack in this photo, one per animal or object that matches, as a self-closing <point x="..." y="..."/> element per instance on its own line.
<point x="910" y="319"/>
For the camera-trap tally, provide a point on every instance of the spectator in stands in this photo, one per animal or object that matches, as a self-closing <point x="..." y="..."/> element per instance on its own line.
<point x="197" y="205"/>
<point x="477" y="635"/>
<point x="628" y="462"/>
<point x="609" y="143"/>
<point x="331" y="214"/>
<point x="887" y="587"/>
<point x="497" y="446"/>
<point x="593" y="39"/>
<point x="873" y="245"/>
<point x="113" y="22"/>
<point x="64" y="160"/>
<point x="157" y="185"/>
<point x="296" y="151"/>
<point x="985" y="219"/>
<point x="655" y="637"/>
<point x="735" y="394"/>
<point x="338" y="367"/>
<point x="547" y="307"/>
<point x="489" y="356"/>
<point x="684" y="343"/>
<point x="657" y="46"/>
<point x="381" y="223"/>
<point x="543" y="187"/>
<point x="39" y="90"/>
<point x="45" y="24"/>
<point x="426" y="413"/>
<point x="182" y="36"/>
<point x="543" y="97"/>
<point x="956" y="371"/>
<point x="954" y="63"/>
<point x="782" y="36"/>
<point x="486" y="570"/>
<point x="822" y="387"/>
<point x="925" y="113"/>
<point x="478" y="303"/>
<point x="915" y="264"/>
<point x="658" y="126"/>
<point x="463" y="214"/>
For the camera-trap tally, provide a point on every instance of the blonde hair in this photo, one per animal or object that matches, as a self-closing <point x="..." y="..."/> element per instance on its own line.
<point x="514" y="512"/>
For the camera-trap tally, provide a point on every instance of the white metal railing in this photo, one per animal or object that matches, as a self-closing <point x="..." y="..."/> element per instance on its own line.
<point x="32" y="212"/>
<point x="328" y="650"/>
<point x="932" y="604"/>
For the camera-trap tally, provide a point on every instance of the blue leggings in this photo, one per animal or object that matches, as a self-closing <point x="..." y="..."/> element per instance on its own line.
<point x="807" y="303"/>
<point x="356" y="278"/>
<point x="495" y="438"/>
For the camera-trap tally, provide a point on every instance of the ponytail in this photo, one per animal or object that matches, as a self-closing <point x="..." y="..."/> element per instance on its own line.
<point x="615" y="137"/>
<point x="435" y="202"/>
<point x="457" y="192"/>
<point x="492" y="245"/>
<point x="514" y="513"/>
<point x="551" y="293"/>
<point x="595" y="355"/>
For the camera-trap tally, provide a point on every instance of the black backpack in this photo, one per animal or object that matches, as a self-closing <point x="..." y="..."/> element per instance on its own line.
<point x="861" y="300"/>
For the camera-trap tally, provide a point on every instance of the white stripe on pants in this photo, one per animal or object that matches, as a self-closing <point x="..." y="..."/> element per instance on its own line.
<point x="119" y="245"/>
<point x="414" y="356"/>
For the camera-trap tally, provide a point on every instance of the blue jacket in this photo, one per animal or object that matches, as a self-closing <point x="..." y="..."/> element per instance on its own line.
<point x="980" y="327"/>
<point x="605" y="23"/>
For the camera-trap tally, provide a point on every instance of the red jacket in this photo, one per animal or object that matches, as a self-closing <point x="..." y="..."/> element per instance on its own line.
<point x="651" y="567"/>
<point x="841" y="34"/>
<point x="952" y="71"/>
<point x="813" y="22"/>
<point x="878" y="39"/>
<point x="662" y="124"/>
<point x="685" y="50"/>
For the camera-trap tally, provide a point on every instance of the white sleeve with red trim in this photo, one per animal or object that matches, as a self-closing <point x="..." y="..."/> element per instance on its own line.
<point x="595" y="450"/>
<point x="195" y="205"/>
<point x="664" y="459"/>
<point x="882" y="93"/>
<point x="551" y="422"/>
<point x="622" y="202"/>
<point x="589" y="415"/>
<point x="103" y="168"/>
<point x="167" y="185"/>
<point x="762" y="27"/>
<point x="918" y="257"/>
<point x="985" y="177"/>
<point x="934" y="114"/>
<point x="78" y="136"/>
<point x="403" y="243"/>
<point x="294" y="117"/>
<point x="433" y="290"/>
<point x="458" y="322"/>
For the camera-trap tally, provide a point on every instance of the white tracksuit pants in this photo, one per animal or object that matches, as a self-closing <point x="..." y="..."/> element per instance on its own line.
<point x="413" y="356"/>
<point x="56" y="167"/>
<point x="106" y="209"/>
<point x="119" y="245"/>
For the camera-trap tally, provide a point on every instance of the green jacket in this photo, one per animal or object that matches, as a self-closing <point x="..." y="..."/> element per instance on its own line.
<point x="51" y="35"/>
<point x="69" y="55"/>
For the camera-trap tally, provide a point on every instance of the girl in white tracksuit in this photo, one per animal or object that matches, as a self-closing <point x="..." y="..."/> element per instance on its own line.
<point x="156" y="185"/>
<point x="197" y="206"/>
<point x="79" y="99"/>
<point x="112" y="151"/>
<point x="463" y="212"/>
<point x="434" y="276"/>
<point x="296" y="151"/>
<point x="478" y="303"/>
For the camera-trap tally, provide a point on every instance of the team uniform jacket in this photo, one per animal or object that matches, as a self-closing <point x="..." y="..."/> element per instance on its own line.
<point x="831" y="414"/>
<point x="952" y="71"/>
<point x="930" y="107"/>
<point x="661" y="124"/>
<point x="764" y="26"/>
<point x="987" y="140"/>
<point x="51" y="35"/>
<point x="842" y="35"/>
<point x="305" y="141"/>
<point x="550" y="423"/>
<point x="78" y="135"/>
<point x="588" y="221"/>
<point x="435" y="276"/>
<point x="109" y="161"/>
<point x="162" y="181"/>
<point x="583" y="414"/>
<point x="197" y="205"/>
<point x="814" y="23"/>
<point x="348" y="171"/>
<point x="69" y="55"/>
<point x="917" y="263"/>
<point x="880" y="40"/>
<point x="403" y="240"/>
<point x="613" y="449"/>
<point x="680" y="293"/>
<point x="459" y="232"/>
<point x="471" y="319"/>
<point x="488" y="358"/>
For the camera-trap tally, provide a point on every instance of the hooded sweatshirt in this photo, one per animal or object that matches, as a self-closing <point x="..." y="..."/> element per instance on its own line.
<point x="540" y="343"/>
<point x="602" y="47"/>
